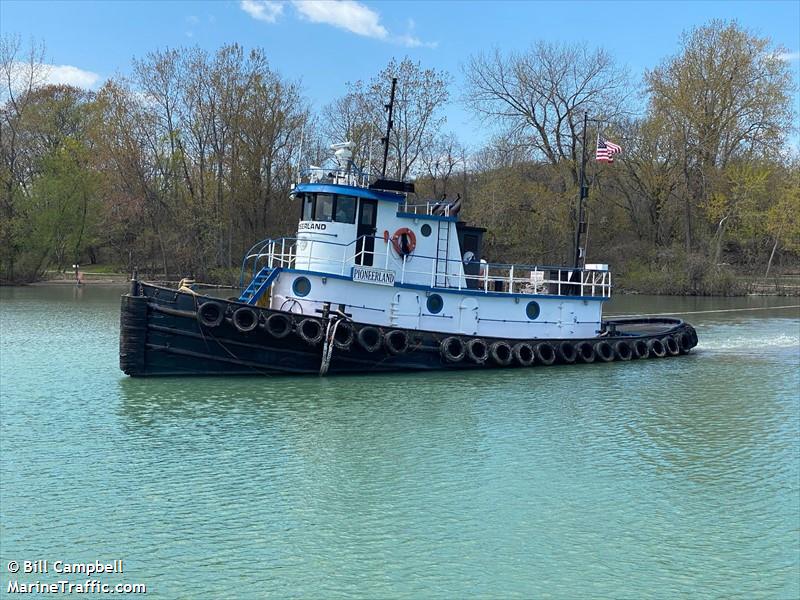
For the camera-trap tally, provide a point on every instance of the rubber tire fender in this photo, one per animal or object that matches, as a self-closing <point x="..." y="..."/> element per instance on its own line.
<point x="396" y="341"/>
<point x="685" y="342"/>
<point x="278" y="325"/>
<point x="604" y="351"/>
<point x="656" y="348"/>
<point x="545" y="353"/>
<point x="501" y="354"/>
<point x="477" y="351"/>
<point x="312" y="336"/>
<point x="453" y="349"/>
<point x="524" y="354"/>
<point x="343" y="328"/>
<point x="640" y="349"/>
<point x="566" y="353"/>
<point x="210" y="313"/>
<point x="671" y="345"/>
<point x="245" y="319"/>
<point x="623" y="350"/>
<point x="585" y="351"/>
<point x="364" y="335"/>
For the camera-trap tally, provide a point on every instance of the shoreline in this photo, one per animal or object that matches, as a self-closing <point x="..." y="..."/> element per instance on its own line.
<point x="118" y="281"/>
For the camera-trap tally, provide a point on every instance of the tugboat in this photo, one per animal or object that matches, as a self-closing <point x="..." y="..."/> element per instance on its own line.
<point x="374" y="281"/>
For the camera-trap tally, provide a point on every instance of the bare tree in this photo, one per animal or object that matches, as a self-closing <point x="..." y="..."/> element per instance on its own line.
<point x="349" y="118"/>
<point x="419" y="99"/>
<point x="440" y="160"/>
<point x="538" y="97"/>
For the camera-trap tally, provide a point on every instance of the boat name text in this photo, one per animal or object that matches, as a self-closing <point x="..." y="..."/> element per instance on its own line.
<point x="311" y="225"/>
<point x="378" y="276"/>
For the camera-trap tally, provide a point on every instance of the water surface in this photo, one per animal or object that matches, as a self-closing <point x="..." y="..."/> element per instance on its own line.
<point x="651" y="479"/>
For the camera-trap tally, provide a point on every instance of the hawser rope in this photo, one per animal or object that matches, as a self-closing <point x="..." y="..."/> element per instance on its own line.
<point x="327" y="350"/>
<point x="703" y="312"/>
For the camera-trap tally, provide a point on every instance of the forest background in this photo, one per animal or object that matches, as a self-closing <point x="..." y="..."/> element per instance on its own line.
<point x="182" y="166"/>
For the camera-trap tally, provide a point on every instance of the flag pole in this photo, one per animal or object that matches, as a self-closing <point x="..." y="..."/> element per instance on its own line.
<point x="582" y="194"/>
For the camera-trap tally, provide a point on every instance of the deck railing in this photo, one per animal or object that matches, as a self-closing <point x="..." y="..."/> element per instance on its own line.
<point x="338" y="259"/>
<point x="440" y="208"/>
<point x="352" y="176"/>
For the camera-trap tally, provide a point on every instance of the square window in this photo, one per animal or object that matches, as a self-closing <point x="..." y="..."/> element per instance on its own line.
<point x="324" y="208"/>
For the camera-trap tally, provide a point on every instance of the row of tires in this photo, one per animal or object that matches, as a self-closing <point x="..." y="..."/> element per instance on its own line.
<point x="452" y="349"/>
<point x="245" y="319"/>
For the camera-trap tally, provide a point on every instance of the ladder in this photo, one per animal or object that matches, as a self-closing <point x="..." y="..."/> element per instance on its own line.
<point x="442" y="253"/>
<point x="260" y="284"/>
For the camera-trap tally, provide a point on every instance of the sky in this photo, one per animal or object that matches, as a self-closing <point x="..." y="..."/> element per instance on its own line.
<point x="325" y="44"/>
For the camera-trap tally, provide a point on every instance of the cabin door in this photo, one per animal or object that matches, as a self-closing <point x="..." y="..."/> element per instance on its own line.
<point x="405" y="310"/>
<point x="367" y="217"/>
<point x="468" y="316"/>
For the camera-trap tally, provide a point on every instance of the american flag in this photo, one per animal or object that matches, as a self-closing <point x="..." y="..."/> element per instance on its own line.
<point x="606" y="150"/>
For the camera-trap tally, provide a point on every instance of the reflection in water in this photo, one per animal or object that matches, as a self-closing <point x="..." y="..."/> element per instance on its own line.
<point x="651" y="479"/>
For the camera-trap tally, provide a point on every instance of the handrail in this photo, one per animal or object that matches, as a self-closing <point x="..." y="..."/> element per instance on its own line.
<point x="500" y="277"/>
<point x="350" y="176"/>
<point x="430" y="207"/>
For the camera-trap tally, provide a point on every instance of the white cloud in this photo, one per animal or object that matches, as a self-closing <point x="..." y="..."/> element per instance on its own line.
<point x="788" y="56"/>
<point x="349" y="15"/>
<point x="410" y="40"/>
<point x="344" y="14"/>
<point x="262" y="10"/>
<point x="413" y="42"/>
<point x="784" y="56"/>
<point x="69" y="75"/>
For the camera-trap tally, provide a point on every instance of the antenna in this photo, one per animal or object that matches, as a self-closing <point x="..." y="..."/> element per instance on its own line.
<point x="300" y="150"/>
<point x="390" y="108"/>
<point x="368" y="170"/>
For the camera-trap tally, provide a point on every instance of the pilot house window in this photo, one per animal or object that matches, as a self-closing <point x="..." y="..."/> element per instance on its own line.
<point x="308" y="208"/>
<point x="324" y="209"/>
<point x="345" y="209"/>
<point x="329" y="207"/>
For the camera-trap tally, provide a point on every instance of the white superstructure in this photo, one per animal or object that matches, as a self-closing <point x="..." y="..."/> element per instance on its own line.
<point x="392" y="263"/>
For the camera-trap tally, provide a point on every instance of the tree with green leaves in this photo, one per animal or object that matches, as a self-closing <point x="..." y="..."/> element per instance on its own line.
<point x="726" y="95"/>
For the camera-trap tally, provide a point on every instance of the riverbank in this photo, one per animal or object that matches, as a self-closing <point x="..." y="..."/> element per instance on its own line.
<point x="729" y="281"/>
<point x="781" y="285"/>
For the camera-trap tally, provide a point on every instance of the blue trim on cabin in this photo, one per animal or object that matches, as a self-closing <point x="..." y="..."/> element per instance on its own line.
<point x="463" y="291"/>
<point x="408" y="215"/>
<point x="470" y="292"/>
<point x="319" y="274"/>
<point x="347" y="190"/>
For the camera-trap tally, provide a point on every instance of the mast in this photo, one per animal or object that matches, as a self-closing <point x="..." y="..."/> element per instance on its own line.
<point x="583" y="193"/>
<point x="390" y="108"/>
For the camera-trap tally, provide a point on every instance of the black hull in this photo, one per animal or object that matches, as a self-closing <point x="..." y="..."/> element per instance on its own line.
<point x="161" y="334"/>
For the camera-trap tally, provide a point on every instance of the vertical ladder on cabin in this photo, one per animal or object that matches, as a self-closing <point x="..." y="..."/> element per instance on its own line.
<point x="442" y="253"/>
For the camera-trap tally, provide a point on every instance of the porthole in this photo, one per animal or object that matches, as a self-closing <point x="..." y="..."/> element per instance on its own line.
<point x="435" y="304"/>
<point x="425" y="230"/>
<point x="532" y="310"/>
<point x="301" y="286"/>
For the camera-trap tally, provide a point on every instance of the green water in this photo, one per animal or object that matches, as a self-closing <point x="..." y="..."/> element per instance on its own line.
<point x="653" y="479"/>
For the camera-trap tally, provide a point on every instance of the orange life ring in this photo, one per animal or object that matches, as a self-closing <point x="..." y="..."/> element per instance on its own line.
<point x="404" y="241"/>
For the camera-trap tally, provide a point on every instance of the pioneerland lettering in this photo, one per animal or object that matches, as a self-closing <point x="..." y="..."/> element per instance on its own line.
<point x="378" y="276"/>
